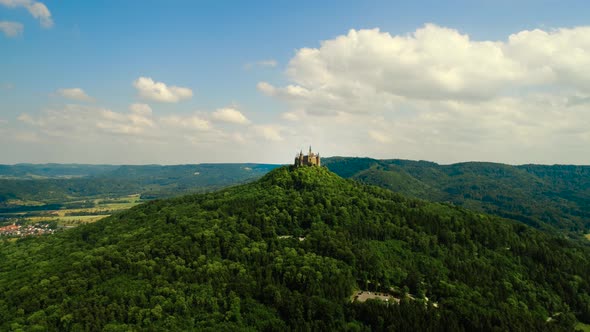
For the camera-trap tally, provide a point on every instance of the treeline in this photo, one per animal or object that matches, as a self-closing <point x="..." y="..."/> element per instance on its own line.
<point x="287" y="253"/>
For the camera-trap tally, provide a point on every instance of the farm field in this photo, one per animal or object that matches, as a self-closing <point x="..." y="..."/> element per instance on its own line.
<point x="95" y="209"/>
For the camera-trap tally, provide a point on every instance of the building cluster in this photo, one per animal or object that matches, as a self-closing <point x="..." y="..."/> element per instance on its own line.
<point x="312" y="159"/>
<point x="28" y="230"/>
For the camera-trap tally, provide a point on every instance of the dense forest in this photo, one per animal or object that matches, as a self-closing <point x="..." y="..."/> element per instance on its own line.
<point x="549" y="197"/>
<point x="287" y="252"/>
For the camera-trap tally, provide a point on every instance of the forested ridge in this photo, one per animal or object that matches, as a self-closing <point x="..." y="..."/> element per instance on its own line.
<point x="548" y="197"/>
<point x="286" y="253"/>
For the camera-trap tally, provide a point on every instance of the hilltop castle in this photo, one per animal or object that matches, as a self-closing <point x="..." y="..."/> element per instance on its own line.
<point x="311" y="159"/>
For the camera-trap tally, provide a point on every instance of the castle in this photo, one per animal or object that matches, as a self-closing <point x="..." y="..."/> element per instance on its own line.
<point x="311" y="159"/>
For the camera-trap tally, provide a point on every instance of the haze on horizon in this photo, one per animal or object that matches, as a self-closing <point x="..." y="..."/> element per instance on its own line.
<point x="163" y="82"/>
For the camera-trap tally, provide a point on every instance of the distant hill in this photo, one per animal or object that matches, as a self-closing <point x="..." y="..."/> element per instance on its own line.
<point x="553" y="197"/>
<point x="288" y="252"/>
<point x="55" y="183"/>
<point x="52" y="171"/>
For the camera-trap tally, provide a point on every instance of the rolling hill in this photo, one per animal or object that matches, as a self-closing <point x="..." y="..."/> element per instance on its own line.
<point x="553" y="197"/>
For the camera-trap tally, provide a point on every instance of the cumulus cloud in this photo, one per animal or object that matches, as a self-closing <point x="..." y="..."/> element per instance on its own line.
<point x="75" y="94"/>
<point x="230" y="115"/>
<point x="440" y="95"/>
<point x="11" y="29"/>
<point x="158" y="91"/>
<point x="37" y="9"/>
<point x="433" y="63"/>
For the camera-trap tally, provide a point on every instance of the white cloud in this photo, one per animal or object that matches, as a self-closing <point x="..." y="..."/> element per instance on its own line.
<point x="37" y="9"/>
<point x="158" y="91"/>
<point x="141" y="109"/>
<point x="187" y="122"/>
<point x="75" y="94"/>
<point x="433" y="63"/>
<point x="291" y="116"/>
<point x="137" y="135"/>
<point x="379" y="136"/>
<point x="230" y="115"/>
<point x="269" y="132"/>
<point x="437" y="94"/>
<point x="26" y="118"/>
<point x="11" y="29"/>
<point x="266" y="88"/>
<point x="82" y="122"/>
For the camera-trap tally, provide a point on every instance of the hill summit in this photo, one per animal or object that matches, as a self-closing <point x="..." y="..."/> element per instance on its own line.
<point x="289" y="252"/>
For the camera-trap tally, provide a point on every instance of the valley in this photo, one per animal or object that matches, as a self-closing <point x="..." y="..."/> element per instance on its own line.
<point x="70" y="195"/>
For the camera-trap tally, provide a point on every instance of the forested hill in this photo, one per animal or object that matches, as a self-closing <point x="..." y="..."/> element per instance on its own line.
<point x="287" y="252"/>
<point x="543" y="196"/>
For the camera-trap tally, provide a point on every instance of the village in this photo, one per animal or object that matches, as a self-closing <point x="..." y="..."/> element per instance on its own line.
<point x="15" y="230"/>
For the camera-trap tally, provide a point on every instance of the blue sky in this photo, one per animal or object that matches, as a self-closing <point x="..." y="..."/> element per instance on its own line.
<point x="72" y="90"/>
